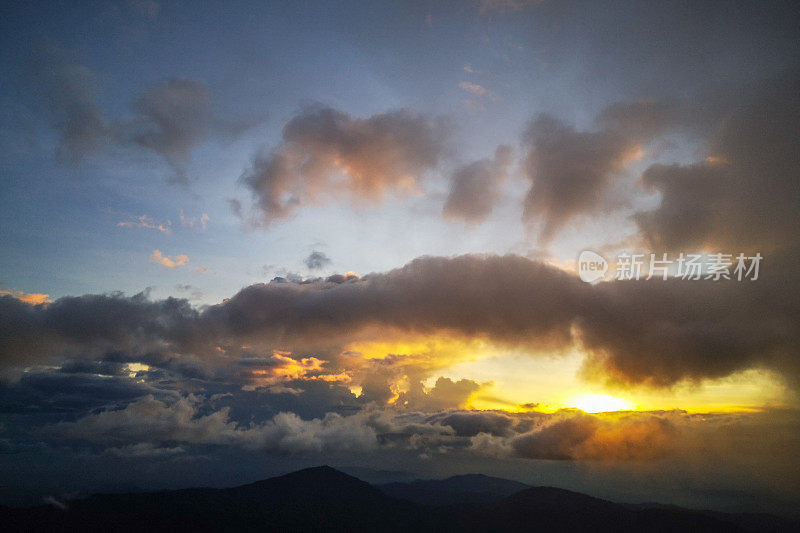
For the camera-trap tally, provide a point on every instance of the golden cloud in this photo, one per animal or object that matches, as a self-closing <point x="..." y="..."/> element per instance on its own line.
<point x="168" y="261"/>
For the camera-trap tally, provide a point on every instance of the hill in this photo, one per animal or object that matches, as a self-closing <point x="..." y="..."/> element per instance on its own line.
<point x="324" y="499"/>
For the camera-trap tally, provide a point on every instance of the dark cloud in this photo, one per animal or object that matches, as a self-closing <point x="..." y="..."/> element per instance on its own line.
<point x="445" y="394"/>
<point x="471" y="423"/>
<point x="325" y="153"/>
<point x="90" y="325"/>
<point x="672" y="330"/>
<point x="739" y="195"/>
<point x="640" y="120"/>
<point x="64" y="392"/>
<point x="71" y="91"/>
<point x="507" y="299"/>
<point x="316" y="260"/>
<point x="571" y="171"/>
<point x="474" y="188"/>
<point x="636" y="332"/>
<point x="170" y="118"/>
<point x="743" y="195"/>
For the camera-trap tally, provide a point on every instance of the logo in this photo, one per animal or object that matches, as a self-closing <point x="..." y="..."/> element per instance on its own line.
<point x="591" y="266"/>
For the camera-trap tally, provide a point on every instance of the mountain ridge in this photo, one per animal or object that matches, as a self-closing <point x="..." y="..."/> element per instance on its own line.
<point x="325" y="499"/>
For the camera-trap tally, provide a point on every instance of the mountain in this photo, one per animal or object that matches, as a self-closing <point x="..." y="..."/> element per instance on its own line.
<point x="458" y="491"/>
<point x="314" y="499"/>
<point x="553" y="509"/>
<point x="324" y="499"/>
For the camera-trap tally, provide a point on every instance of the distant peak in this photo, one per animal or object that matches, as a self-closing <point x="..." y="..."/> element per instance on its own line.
<point x="320" y="472"/>
<point x="321" y="468"/>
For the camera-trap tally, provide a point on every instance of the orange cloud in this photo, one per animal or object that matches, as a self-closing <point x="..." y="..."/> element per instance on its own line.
<point x="281" y="367"/>
<point x="572" y="435"/>
<point x="33" y="298"/>
<point x="326" y="153"/>
<point x="169" y="262"/>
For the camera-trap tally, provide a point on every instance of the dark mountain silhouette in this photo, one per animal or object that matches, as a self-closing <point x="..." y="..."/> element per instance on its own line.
<point x="554" y="509"/>
<point x="314" y="499"/>
<point x="464" y="491"/>
<point x="324" y="499"/>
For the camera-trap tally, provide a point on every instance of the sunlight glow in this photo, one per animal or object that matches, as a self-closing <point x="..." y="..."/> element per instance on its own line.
<point x="602" y="403"/>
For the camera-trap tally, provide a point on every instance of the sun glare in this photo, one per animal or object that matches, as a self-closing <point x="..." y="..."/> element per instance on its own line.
<point x="602" y="403"/>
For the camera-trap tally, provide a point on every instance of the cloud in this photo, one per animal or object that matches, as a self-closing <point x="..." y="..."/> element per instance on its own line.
<point x="645" y="332"/>
<point x="145" y="221"/>
<point x="170" y="118"/>
<point x="33" y="298"/>
<point x="79" y="385"/>
<point x="191" y="222"/>
<point x="174" y="261"/>
<point x="578" y="436"/>
<point x="327" y="154"/>
<point x="151" y="420"/>
<point x="93" y="324"/>
<point x="151" y="427"/>
<point x="744" y="451"/>
<point x="70" y="91"/>
<point x="473" y="423"/>
<point x="741" y="195"/>
<point x="194" y="292"/>
<point x="477" y="90"/>
<point x="50" y="500"/>
<point x="570" y="171"/>
<point x="281" y="367"/>
<point x="316" y="260"/>
<point x="748" y="168"/>
<point x="474" y="188"/>
<point x="144" y="449"/>
<point x="710" y="332"/>
<point x="445" y="394"/>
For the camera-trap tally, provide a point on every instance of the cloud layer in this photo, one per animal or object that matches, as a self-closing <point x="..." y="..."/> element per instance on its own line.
<point x="653" y="332"/>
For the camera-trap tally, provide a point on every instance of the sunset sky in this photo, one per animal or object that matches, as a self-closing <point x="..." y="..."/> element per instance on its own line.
<point x="241" y="238"/>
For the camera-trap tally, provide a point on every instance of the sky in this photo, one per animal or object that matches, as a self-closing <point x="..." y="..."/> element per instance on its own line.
<point x="239" y="239"/>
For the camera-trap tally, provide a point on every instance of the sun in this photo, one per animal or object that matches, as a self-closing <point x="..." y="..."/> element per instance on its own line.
<point x="601" y="403"/>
